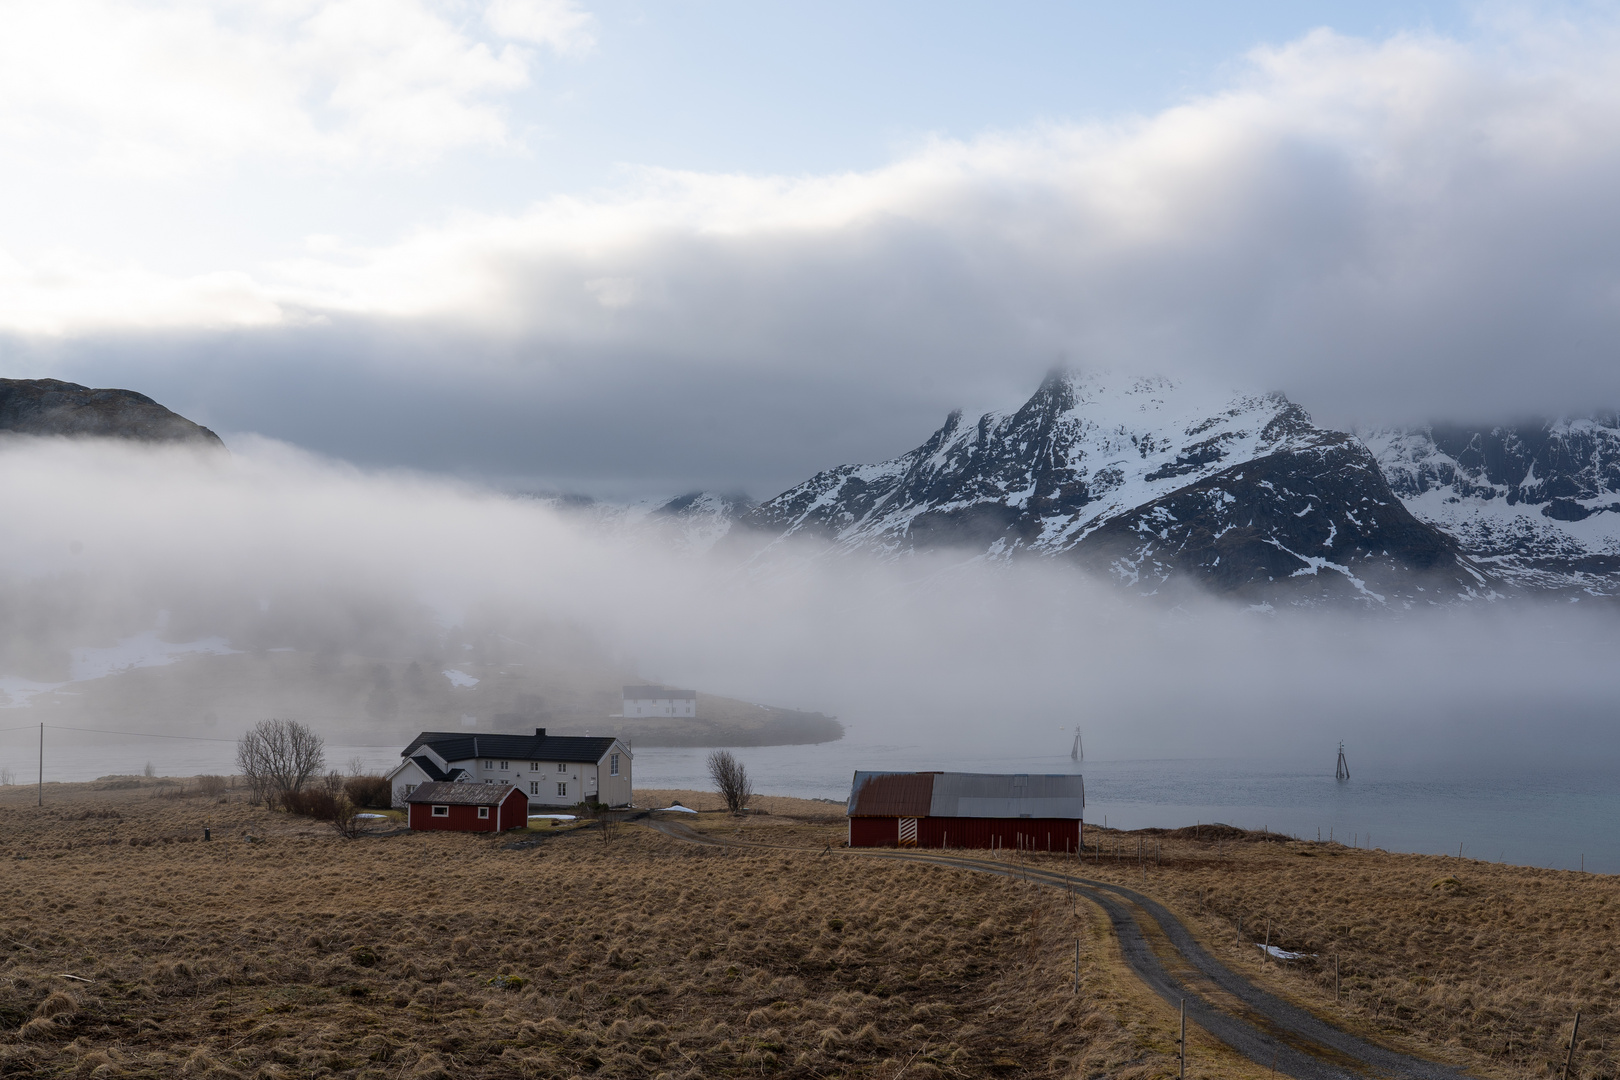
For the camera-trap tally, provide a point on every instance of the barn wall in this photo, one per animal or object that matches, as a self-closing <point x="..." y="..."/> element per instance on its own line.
<point x="514" y="811"/>
<point x="874" y="832"/>
<point x="461" y="819"/>
<point x="1041" y="834"/>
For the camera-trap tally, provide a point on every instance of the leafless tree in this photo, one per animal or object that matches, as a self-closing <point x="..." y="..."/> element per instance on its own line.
<point x="731" y="780"/>
<point x="279" y="756"/>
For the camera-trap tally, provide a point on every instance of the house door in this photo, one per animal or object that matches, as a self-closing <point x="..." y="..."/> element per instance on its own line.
<point x="908" y="832"/>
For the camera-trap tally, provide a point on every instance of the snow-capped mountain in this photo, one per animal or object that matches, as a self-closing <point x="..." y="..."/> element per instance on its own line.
<point x="1151" y="481"/>
<point x="1537" y="504"/>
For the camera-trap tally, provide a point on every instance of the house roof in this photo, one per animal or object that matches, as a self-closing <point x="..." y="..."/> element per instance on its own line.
<point x="978" y="795"/>
<point x="432" y="770"/>
<point x="461" y="794"/>
<point x="459" y="746"/>
<point x="657" y="693"/>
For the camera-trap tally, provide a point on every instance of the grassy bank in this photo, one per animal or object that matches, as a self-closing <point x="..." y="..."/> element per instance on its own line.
<point x="130" y="947"/>
<point x="277" y="949"/>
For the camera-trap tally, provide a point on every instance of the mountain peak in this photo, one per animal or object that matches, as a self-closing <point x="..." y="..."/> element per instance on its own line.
<point x="1149" y="480"/>
<point x="54" y="407"/>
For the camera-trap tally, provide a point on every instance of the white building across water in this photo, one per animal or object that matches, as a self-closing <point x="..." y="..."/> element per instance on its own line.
<point x="659" y="701"/>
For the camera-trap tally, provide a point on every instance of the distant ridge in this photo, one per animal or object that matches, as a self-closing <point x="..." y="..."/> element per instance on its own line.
<point x="54" y="407"/>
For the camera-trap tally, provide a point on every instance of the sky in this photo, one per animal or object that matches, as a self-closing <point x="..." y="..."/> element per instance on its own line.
<point x="630" y="249"/>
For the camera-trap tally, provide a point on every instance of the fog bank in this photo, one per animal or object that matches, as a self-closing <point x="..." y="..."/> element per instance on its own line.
<point x="270" y="549"/>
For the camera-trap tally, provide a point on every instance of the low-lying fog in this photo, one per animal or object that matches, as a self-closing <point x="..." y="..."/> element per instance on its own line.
<point x="269" y="548"/>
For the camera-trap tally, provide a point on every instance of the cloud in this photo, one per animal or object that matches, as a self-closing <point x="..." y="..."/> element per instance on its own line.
<point x="271" y="548"/>
<point x="1385" y="230"/>
<point x="559" y="24"/>
<point x="170" y="87"/>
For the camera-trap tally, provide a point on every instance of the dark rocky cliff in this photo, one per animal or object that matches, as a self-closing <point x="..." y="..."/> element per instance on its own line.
<point x="53" y="407"/>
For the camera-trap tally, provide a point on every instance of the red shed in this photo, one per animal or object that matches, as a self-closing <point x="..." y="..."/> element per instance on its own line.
<point x="967" y="810"/>
<point x="467" y="807"/>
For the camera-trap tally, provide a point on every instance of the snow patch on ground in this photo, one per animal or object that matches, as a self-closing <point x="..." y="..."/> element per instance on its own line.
<point x="140" y="651"/>
<point x="460" y="678"/>
<point x="1283" y="954"/>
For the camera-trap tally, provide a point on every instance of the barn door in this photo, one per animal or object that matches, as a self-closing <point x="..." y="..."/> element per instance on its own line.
<point x="908" y="832"/>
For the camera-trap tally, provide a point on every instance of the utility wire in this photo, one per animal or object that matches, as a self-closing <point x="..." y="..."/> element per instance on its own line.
<point x="143" y="734"/>
<point x="191" y="738"/>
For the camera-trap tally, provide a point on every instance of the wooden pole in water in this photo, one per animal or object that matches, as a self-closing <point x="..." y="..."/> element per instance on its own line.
<point x="1569" y="1057"/>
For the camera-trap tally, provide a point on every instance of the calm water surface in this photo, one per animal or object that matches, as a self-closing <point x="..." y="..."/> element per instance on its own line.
<point x="1553" y="819"/>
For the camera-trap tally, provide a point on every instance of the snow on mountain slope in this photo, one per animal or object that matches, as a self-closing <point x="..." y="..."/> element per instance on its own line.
<point x="1536" y="503"/>
<point x="1149" y="480"/>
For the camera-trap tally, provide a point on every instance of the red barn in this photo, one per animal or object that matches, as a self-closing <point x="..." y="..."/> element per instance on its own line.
<point x="967" y="810"/>
<point x="468" y="807"/>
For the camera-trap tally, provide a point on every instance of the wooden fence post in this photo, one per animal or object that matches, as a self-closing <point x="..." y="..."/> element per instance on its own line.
<point x="1569" y="1057"/>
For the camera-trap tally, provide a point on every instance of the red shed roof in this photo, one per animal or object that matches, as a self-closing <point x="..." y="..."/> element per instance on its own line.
<point x="893" y="795"/>
<point x="447" y="794"/>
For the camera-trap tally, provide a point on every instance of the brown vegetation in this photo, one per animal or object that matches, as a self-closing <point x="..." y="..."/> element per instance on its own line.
<point x="1481" y="962"/>
<point x="276" y="950"/>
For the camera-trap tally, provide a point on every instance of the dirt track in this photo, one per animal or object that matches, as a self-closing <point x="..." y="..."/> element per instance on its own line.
<point x="1260" y="1026"/>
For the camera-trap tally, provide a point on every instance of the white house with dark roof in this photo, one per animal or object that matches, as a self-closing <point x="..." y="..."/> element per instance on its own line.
<point x="553" y="770"/>
<point x="659" y="701"/>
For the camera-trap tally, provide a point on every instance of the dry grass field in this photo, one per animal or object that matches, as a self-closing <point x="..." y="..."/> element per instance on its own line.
<point x="129" y="947"/>
<point x="279" y="950"/>
<point x="1481" y="963"/>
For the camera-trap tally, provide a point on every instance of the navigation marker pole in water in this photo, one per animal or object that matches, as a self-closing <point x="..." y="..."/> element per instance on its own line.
<point x="1342" y="770"/>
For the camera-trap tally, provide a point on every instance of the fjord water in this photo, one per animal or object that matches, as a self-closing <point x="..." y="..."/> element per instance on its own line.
<point x="1551" y="818"/>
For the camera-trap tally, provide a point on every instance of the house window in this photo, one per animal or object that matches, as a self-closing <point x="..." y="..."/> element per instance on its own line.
<point x="489" y="779"/>
<point x="562" y="766"/>
<point x="534" y="787"/>
<point x="505" y="765"/>
<point x="441" y="811"/>
<point x="534" y="766"/>
<point x="409" y="788"/>
<point x="562" y="791"/>
<point x="483" y="811"/>
<point x="613" y="764"/>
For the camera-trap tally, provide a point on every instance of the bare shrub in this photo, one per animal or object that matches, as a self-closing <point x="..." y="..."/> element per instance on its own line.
<point x="312" y="802"/>
<point x="278" y="757"/>
<point x="369" y="792"/>
<point x="730" y="780"/>
<point x="211" y="785"/>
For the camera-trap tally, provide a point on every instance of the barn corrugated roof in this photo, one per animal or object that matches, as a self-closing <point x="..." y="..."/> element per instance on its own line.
<point x="1009" y="795"/>
<point x="457" y="746"/>
<point x="963" y="795"/>
<point x="876" y="794"/>
<point x="445" y="794"/>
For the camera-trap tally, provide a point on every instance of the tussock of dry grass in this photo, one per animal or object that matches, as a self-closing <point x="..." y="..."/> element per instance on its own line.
<point x="531" y="955"/>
